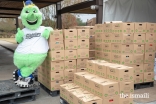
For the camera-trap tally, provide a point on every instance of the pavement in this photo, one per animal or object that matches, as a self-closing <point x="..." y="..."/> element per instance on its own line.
<point x="7" y="67"/>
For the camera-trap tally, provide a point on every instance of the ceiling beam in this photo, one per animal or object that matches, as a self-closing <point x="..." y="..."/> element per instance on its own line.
<point x="6" y="8"/>
<point x="7" y="17"/>
<point x="9" y="14"/>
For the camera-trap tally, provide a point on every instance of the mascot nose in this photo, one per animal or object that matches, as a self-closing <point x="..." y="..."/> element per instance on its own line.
<point x="31" y="15"/>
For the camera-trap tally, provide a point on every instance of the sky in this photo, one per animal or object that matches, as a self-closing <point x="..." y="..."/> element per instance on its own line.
<point x="84" y="17"/>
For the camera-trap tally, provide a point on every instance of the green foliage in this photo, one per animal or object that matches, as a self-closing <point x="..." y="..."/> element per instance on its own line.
<point x="49" y="23"/>
<point x="80" y="22"/>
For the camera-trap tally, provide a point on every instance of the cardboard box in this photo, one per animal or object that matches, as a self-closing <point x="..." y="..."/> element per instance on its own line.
<point x="70" y="34"/>
<point x="54" y="85"/>
<point x="100" y="70"/>
<point x="106" y="37"/>
<point x="91" y="66"/>
<point x="98" y="46"/>
<point x="138" y="58"/>
<point x="140" y="27"/>
<point x="89" y="99"/>
<point x="139" y="48"/>
<point x="92" y="45"/>
<point x="70" y="54"/>
<point x="149" y="76"/>
<point x="149" y="67"/>
<point x="83" y="44"/>
<point x="91" y="30"/>
<point x="56" y="65"/>
<point x="111" y="100"/>
<point x="126" y="87"/>
<point x="83" y="33"/>
<point x="139" y="38"/>
<point x="91" y="53"/>
<point x="70" y="44"/>
<point x="151" y="27"/>
<point x="69" y="80"/>
<point x="57" y="55"/>
<point x="120" y="73"/>
<point x="106" y="56"/>
<point x="55" y="75"/>
<point x="70" y="64"/>
<point x="56" y="45"/>
<point x="128" y="28"/>
<point x="117" y="27"/>
<point x="106" y="47"/>
<point x="149" y="47"/>
<point x="81" y="63"/>
<point x="150" y="37"/>
<point x="98" y="54"/>
<point x="56" y="35"/>
<point x="83" y="53"/>
<point x="138" y="78"/>
<point x="107" y="27"/>
<point x="122" y="48"/>
<point x="81" y="70"/>
<point x="98" y="28"/>
<point x="92" y="38"/>
<point x="126" y="99"/>
<point x="69" y="73"/>
<point x="149" y="57"/>
<point x="98" y="37"/>
<point x="138" y="68"/>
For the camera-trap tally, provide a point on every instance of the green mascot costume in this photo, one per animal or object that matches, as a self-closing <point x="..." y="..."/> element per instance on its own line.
<point x="33" y="45"/>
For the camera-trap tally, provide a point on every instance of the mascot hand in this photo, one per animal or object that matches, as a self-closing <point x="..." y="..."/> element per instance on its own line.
<point x="19" y="35"/>
<point x="47" y="32"/>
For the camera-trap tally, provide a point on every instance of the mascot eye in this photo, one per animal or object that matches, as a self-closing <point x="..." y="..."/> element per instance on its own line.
<point x="35" y="11"/>
<point x="27" y="11"/>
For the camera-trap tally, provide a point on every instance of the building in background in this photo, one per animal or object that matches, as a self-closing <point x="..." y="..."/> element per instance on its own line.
<point x="91" y="22"/>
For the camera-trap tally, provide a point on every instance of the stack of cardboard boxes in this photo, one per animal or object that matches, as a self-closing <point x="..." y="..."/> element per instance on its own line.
<point x="101" y="81"/>
<point x="69" y="51"/>
<point x="131" y="44"/>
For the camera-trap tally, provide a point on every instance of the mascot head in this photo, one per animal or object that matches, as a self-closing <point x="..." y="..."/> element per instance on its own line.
<point x="31" y="16"/>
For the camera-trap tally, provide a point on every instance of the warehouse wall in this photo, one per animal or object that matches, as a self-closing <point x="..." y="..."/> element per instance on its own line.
<point x="129" y="10"/>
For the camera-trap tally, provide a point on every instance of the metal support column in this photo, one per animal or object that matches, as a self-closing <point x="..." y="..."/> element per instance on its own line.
<point x="17" y="24"/>
<point x="99" y="11"/>
<point x="58" y="15"/>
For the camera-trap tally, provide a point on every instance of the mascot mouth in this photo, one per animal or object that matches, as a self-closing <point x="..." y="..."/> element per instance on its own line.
<point x="32" y="22"/>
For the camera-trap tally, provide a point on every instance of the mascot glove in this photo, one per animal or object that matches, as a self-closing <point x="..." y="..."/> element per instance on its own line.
<point x="47" y="32"/>
<point x="20" y="32"/>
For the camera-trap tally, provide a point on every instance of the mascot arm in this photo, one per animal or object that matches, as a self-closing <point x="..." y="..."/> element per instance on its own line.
<point x="47" y="32"/>
<point x="19" y="35"/>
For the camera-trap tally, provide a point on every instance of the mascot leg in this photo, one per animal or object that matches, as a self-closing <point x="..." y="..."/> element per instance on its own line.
<point x="27" y="64"/>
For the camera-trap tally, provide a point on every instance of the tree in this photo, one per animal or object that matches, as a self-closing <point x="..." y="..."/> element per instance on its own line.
<point x="80" y="22"/>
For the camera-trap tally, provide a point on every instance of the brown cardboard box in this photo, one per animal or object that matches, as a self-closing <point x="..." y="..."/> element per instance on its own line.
<point x="91" y="30"/>
<point x="98" y="54"/>
<point x="83" y="33"/>
<point x="70" y="44"/>
<point x="70" y="34"/>
<point x="98" y="46"/>
<point x="106" y="37"/>
<point x="138" y="78"/>
<point x="138" y="68"/>
<point x="139" y="38"/>
<point x="120" y="73"/>
<point x="117" y="27"/>
<point x="149" y="57"/>
<point x="126" y="99"/>
<point x="69" y="73"/>
<point x="151" y="27"/>
<point x="128" y="28"/>
<point x="56" y="35"/>
<point x="138" y="58"/>
<point x="150" y="37"/>
<point x="100" y="70"/>
<point x="111" y="100"/>
<point x="116" y="37"/>
<point x="106" y="56"/>
<point x="98" y="28"/>
<point x="70" y="64"/>
<point x="122" y="48"/>
<point x="106" y="47"/>
<point x="83" y="53"/>
<point x="57" y="55"/>
<point x="149" y="76"/>
<point x="56" y="65"/>
<point x="149" y="47"/>
<point x="139" y="48"/>
<point x="83" y="43"/>
<point x="107" y="27"/>
<point x="92" y="38"/>
<point x="55" y="75"/>
<point x="70" y="54"/>
<point x="69" y="80"/>
<point x="56" y="45"/>
<point x="89" y="99"/>
<point x="91" y="66"/>
<point x="54" y="85"/>
<point x="140" y="27"/>
<point x="98" y="37"/>
<point x="91" y="53"/>
<point x="149" y="67"/>
<point x="81" y="70"/>
<point x="92" y="45"/>
<point x="126" y="87"/>
<point x="81" y="63"/>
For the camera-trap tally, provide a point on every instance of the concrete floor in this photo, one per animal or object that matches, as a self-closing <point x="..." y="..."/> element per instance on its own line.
<point x="7" y="67"/>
